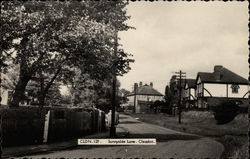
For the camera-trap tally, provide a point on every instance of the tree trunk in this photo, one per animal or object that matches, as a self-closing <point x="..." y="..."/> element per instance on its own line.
<point x="41" y="94"/>
<point x="42" y="100"/>
<point x="19" y="90"/>
<point x="44" y="90"/>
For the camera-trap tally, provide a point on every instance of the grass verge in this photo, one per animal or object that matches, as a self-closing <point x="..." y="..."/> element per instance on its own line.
<point x="232" y="135"/>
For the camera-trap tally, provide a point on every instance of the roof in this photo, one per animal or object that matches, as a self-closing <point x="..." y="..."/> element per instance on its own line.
<point x="225" y="77"/>
<point x="191" y="83"/>
<point x="146" y="90"/>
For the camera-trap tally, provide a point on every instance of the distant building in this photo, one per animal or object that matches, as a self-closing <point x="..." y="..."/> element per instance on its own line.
<point x="31" y="93"/>
<point x="189" y="93"/>
<point x="4" y="96"/>
<point x="5" y="89"/>
<point x="220" y="84"/>
<point x="143" y="96"/>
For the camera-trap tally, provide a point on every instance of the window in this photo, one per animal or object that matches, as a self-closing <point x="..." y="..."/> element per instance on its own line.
<point x="235" y="88"/>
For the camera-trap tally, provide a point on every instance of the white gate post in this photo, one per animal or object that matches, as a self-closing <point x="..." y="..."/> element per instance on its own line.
<point x="100" y="120"/>
<point x="46" y="127"/>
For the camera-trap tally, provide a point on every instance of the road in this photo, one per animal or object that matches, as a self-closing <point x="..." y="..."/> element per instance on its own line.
<point x="170" y="143"/>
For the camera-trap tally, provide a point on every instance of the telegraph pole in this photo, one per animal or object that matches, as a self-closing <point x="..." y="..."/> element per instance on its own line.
<point x="135" y="89"/>
<point x="179" y="76"/>
<point x="112" y="127"/>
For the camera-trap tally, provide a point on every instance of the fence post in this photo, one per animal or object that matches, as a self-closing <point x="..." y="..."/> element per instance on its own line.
<point x="100" y="120"/>
<point x="46" y="127"/>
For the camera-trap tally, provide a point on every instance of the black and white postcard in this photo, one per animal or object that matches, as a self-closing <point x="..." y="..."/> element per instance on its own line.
<point x="124" y="79"/>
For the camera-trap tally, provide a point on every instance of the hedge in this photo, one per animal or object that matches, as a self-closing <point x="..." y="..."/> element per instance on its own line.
<point x="22" y="126"/>
<point x="25" y="125"/>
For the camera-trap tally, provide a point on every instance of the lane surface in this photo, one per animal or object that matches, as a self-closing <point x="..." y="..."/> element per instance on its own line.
<point x="170" y="143"/>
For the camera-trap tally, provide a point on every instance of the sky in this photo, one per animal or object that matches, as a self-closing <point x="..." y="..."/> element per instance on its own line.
<point x="187" y="36"/>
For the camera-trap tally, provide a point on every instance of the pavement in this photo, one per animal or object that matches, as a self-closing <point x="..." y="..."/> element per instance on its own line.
<point x="170" y="143"/>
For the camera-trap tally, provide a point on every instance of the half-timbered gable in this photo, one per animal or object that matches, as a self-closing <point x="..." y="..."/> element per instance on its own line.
<point x="222" y="83"/>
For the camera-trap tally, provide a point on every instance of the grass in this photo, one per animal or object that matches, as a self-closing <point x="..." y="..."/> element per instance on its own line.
<point x="232" y="135"/>
<point x="235" y="146"/>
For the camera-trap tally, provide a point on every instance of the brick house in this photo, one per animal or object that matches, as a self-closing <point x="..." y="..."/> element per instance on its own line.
<point x="143" y="96"/>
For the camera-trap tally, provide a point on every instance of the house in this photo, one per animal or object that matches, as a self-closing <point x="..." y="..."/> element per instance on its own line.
<point x="31" y="93"/>
<point x="143" y="96"/>
<point x="4" y="96"/>
<point x="7" y="94"/>
<point x="5" y="90"/>
<point x="220" y="84"/>
<point x="189" y="93"/>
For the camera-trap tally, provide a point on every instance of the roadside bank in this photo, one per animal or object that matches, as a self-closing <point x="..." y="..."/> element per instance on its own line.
<point x="232" y="135"/>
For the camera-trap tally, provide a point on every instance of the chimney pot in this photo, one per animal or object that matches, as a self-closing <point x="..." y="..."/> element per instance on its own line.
<point x="135" y="87"/>
<point x="140" y="84"/>
<point x="151" y="84"/>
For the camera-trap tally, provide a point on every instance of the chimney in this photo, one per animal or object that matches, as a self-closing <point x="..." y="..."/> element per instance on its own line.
<point x="217" y="72"/>
<point x="151" y="84"/>
<point x="140" y="84"/>
<point x="135" y="87"/>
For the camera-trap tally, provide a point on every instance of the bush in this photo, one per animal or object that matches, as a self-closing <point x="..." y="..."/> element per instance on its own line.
<point x="225" y="111"/>
<point x="166" y="110"/>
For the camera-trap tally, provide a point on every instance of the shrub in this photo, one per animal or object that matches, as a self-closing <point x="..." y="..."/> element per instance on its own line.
<point x="225" y="111"/>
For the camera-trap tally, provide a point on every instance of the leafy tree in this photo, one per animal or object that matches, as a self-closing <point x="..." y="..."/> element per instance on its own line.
<point x="173" y="91"/>
<point x="124" y="92"/>
<point x="54" y="37"/>
<point x="82" y="89"/>
<point x="122" y="96"/>
<point x="33" y="89"/>
<point x="65" y="100"/>
<point x="168" y="96"/>
<point x="87" y="91"/>
<point x="104" y="93"/>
